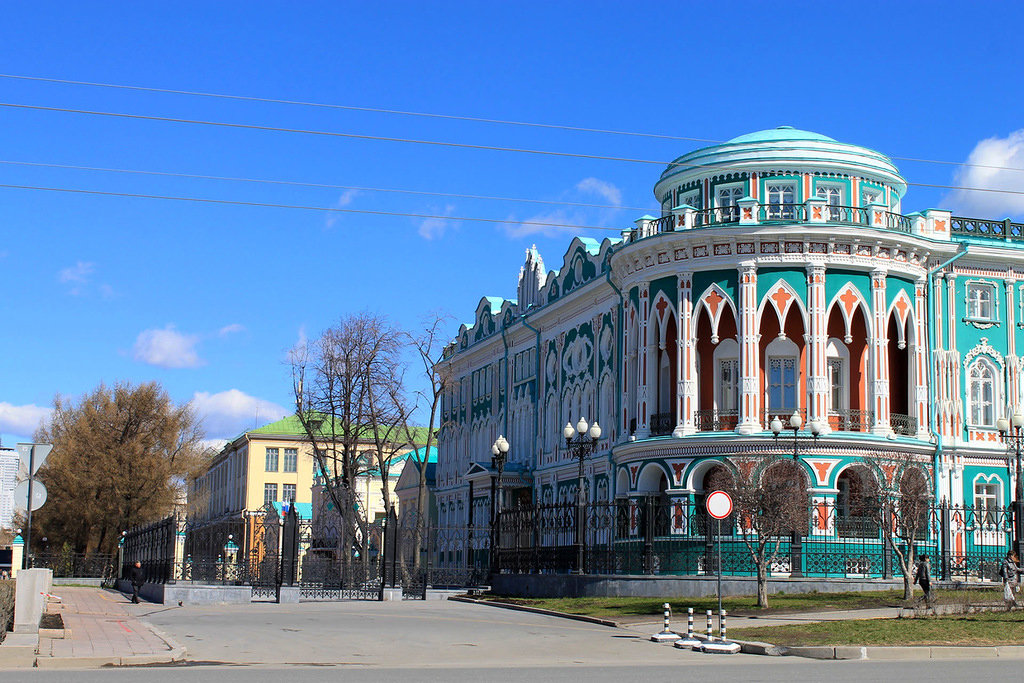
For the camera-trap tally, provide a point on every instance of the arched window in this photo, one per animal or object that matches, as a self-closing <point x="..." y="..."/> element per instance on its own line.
<point x="727" y="378"/>
<point x="981" y="393"/>
<point x="856" y="503"/>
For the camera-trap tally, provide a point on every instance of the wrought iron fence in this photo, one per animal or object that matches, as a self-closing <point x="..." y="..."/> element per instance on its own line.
<point x="77" y="565"/>
<point x="657" y="535"/>
<point x="714" y="420"/>
<point x="979" y="227"/>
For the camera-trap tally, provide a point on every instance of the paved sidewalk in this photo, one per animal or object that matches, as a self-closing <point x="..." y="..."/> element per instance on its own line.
<point x="103" y="628"/>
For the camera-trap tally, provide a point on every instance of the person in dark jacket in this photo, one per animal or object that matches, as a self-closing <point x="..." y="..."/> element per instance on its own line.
<point x="923" y="578"/>
<point x="137" y="581"/>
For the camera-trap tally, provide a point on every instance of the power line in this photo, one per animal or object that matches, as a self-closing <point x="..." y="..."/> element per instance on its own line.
<point x="464" y="145"/>
<point x="453" y="117"/>
<point x="332" y="209"/>
<point x="304" y="131"/>
<point x="376" y="110"/>
<point x="295" y="183"/>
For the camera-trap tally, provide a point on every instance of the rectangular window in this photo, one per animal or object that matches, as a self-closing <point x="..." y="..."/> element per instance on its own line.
<point x="269" y="493"/>
<point x="981" y="301"/>
<point x="291" y="459"/>
<point x="833" y="196"/>
<point x="837" y="392"/>
<point x="986" y="500"/>
<point x="726" y="201"/>
<point x="288" y="493"/>
<point x="691" y="199"/>
<point x="781" y="198"/>
<point x="728" y="386"/>
<point x="781" y="386"/>
<point x="871" y="197"/>
<point x="271" y="464"/>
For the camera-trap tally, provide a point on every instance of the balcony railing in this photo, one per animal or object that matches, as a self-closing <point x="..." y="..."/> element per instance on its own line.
<point x="979" y="227"/>
<point x="904" y="425"/>
<point x="662" y="424"/>
<point x="716" y="420"/>
<point x="851" y="420"/>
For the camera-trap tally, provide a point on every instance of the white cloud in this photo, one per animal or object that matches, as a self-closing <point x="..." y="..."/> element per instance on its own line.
<point x="1005" y="152"/>
<point x="529" y="226"/>
<point x="344" y="200"/>
<point x="77" y="276"/>
<point x="609" y="192"/>
<point x="433" y="228"/>
<point x="230" y="329"/>
<point x="22" y="420"/>
<point x="167" y="348"/>
<point x="228" y="413"/>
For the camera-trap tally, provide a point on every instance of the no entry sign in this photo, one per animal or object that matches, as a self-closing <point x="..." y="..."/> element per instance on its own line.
<point x="719" y="504"/>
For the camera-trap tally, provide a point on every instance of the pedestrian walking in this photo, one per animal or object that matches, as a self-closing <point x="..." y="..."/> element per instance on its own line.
<point x="923" y="578"/>
<point x="137" y="581"/>
<point x="1009" y="572"/>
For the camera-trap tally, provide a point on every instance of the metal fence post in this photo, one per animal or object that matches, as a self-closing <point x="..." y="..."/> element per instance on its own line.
<point x="887" y="542"/>
<point x="649" y="534"/>
<point x="944" y="540"/>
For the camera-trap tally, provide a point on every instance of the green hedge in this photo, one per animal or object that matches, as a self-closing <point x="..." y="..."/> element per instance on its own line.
<point x="6" y="606"/>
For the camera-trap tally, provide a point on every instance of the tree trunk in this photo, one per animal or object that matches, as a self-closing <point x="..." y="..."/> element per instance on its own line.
<point x="762" y="584"/>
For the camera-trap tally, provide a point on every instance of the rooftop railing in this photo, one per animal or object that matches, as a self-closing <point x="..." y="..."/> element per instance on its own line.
<point x="979" y="227"/>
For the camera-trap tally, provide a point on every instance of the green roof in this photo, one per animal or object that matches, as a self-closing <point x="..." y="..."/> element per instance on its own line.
<point x="781" y="133"/>
<point x="291" y="426"/>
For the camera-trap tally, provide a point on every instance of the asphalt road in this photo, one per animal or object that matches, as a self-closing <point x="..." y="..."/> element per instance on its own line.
<point x="448" y="641"/>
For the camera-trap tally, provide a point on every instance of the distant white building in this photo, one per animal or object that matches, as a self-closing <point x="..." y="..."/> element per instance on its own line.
<point x="8" y="480"/>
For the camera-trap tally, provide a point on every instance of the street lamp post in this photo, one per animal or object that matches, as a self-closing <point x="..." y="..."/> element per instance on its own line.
<point x="581" y="442"/>
<point x="499" y="454"/>
<point x="1012" y="431"/>
<point x="796" y="540"/>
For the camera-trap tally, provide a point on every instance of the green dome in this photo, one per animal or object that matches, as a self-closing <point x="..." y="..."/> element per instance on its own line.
<point x="781" y="133"/>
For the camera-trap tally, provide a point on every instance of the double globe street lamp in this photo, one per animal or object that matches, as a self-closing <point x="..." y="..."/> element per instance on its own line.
<point x="581" y="442"/>
<point x="794" y="423"/>
<point x="499" y="455"/>
<point x="1012" y="431"/>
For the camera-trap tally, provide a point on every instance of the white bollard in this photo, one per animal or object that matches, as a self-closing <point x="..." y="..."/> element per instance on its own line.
<point x="710" y="636"/>
<point x="690" y="641"/>
<point x="721" y="646"/>
<point x="666" y="635"/>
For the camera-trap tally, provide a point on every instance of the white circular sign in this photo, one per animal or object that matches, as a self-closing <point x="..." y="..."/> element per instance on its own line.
<point x="21" y="495"/>
<point x="719" y="504"/>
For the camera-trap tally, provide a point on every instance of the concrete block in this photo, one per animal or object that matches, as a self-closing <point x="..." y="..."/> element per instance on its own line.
<point x="812" y="652"/>
<point x="850" y="652"/>
<point x="14" y="657"/>
<point x="758" y="648"/>
<point x="30" y="598"/>
<point x="289" y="595"/>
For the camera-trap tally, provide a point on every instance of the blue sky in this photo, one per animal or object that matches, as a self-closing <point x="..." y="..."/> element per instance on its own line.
<point x="207" y="299"/>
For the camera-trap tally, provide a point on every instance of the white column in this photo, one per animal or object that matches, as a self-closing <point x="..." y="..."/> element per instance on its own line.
<point x="643" y="398"/>
<point x="686" y="360"/>
<point x="817" y="380"/>
<point x="956" y="422"/>
<point x="879" y="353"/>
<point x="750" y="362"/>
<point x="1012" y="398"/>
<point x="921" y="360"/>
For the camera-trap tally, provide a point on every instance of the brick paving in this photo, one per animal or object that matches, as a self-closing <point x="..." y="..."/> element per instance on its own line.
<point x="100" y="623"/>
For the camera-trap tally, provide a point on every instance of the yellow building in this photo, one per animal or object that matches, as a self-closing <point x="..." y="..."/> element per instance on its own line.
<point x="272" y="464"/>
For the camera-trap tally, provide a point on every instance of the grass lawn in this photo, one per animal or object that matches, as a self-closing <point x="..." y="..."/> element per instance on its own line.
<point x="986" y="628"/>
<point x="779" y="603"/>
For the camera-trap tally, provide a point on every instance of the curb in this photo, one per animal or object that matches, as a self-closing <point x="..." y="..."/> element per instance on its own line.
<point x="176" y="653"/>
<point x="536" y="610"/>
<point x="886" y="653"/>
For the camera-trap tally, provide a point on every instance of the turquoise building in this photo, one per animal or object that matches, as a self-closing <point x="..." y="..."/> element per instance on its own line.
<point x="782" y="277"/>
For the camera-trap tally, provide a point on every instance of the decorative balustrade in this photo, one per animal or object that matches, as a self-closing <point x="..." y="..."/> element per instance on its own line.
<point x="904" y="425"/>
<point x="979" y="227"/>
<point x="662" y="424"/>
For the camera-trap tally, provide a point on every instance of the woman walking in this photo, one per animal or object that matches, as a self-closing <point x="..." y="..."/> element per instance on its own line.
<point x="1009" y="572"/>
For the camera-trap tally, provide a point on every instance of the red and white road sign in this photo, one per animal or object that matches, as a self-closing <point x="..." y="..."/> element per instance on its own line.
<point x="719" y="504"/>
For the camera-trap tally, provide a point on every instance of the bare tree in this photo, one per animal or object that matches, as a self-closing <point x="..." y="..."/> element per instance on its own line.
<point x="120" y="456"/>
<point x="770" y="501"/>
<point x="348" y="387"/>
<point x="429" y="347"/>
<point x="900" y="499"/>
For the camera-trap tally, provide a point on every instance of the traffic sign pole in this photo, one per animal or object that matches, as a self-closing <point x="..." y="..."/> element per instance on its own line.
<point x="28" y="521"/>
<point x="719" y="506"/>
<point x="719" y="577"/>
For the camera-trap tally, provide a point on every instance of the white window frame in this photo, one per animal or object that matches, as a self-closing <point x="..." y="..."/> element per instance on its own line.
<point x="782" y="351"/>
<point x="976" y="406"/>
<point x="836" y="352"/>
<point x="726" y="197"/>
<point x="726" y="352"/>
<point x="691" y="198"/>
<point x="775" y="194"/>
<point x="989" y="531"/>
<point x="830" y="192"/>
<point x="972" y="287"/>
<point x="870" y="196"/>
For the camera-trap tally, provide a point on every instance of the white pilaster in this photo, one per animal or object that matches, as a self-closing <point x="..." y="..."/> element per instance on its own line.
<point x="879" y="353"/>
<point x="818" y="386"/>
<point x="686" y="360"/>
<point x="750" y="362"/>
